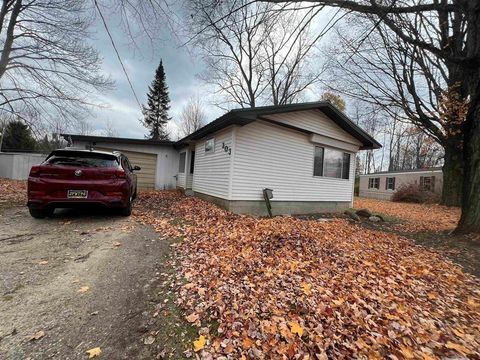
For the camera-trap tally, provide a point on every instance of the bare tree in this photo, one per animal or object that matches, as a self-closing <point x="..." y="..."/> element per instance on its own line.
<point x="110" y="129"/>
<point x="404" y="80"/>
<point x="254" y="55"/>
<point x="46" y="64"/>
<point x="445" y="35"/>
<point x="193" y="117"/>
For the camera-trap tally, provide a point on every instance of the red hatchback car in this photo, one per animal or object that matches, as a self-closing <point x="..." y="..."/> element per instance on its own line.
<point x="70" y="178"/>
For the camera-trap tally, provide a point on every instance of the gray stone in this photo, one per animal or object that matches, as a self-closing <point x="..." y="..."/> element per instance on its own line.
<point x="364" y="213"/>
<point x="374" y="218"/>
<point x="352" y="214"/>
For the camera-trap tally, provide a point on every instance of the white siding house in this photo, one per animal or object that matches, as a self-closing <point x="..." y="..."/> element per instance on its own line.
<point x="304" y="152"/>
<point x="260" y="148"/>
<point x="382" y="185"/>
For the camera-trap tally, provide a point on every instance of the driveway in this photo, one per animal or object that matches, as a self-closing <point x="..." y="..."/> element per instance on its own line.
<point x="76" y="282"/>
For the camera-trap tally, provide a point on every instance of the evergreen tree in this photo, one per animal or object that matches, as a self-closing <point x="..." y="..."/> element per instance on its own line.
<point x="158" y="103"/>
<point x="17" y="136"/>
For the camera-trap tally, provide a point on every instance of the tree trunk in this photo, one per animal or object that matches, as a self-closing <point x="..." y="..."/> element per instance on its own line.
<point x="452" y="175"/>
<point x="470" y="219"/>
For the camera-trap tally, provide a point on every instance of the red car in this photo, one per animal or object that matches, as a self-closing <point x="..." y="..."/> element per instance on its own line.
<point x="71" y="178"/>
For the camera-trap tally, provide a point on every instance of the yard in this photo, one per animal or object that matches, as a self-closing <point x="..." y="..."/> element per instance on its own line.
<point x="183" y="277"/>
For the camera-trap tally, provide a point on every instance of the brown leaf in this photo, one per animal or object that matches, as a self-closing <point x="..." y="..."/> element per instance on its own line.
<point x="38" y="335"/>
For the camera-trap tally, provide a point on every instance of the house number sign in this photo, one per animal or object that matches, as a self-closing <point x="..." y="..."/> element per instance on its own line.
<point x="227" y="149"/>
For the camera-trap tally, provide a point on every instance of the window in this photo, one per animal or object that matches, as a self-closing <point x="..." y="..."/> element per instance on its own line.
<point x="390" y="183"/>
<point x="210" y="145"/>
<point x="318" y="162"/>
<point x="427" y="183"/>
<point x="374" y="183"/>
<point x="181" y="162"/>
<point x="192" y="162"/>
<point x="331" y="163"/>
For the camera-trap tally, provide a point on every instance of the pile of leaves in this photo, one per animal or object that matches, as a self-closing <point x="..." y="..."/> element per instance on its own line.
<point x="417" y="217"/>
<point x="292" y="288"/>
<point x="13" y="191"/>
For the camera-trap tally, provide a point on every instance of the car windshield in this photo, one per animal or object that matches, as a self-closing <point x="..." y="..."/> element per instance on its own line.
<point x="87" y="161"/>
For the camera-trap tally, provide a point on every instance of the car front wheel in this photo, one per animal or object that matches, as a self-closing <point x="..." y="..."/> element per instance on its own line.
<point x="40" y="213"/>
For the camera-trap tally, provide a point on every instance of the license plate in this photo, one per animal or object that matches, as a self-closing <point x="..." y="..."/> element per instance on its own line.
<point x="77" y="194"/>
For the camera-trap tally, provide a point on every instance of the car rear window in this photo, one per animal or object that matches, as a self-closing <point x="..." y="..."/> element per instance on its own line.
<point x="86" y="160"/>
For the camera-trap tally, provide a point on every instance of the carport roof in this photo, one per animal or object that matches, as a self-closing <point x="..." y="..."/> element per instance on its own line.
<point x="245" y="116"/>
<point x="109" y="139"/>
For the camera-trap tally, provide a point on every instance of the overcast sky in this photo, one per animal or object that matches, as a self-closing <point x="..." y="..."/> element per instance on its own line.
<point x="121" y="109"/>
<point x="181" y="67"/>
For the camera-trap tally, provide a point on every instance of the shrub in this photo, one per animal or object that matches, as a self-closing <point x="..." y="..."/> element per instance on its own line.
<point x="414" y="194"/>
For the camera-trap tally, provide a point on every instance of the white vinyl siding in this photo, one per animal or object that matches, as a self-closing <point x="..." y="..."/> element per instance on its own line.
<point x="270" y="156"/>
<point x="181" y="180"/>
<point x="212" y="170"/>
<point x="316" y="122"/>
<point x="401" y="179"/>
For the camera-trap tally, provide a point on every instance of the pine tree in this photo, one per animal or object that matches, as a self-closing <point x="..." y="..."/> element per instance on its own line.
<point x="158" y="103"/>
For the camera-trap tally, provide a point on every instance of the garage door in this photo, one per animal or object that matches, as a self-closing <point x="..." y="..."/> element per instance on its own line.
<point x="148" y="163"/>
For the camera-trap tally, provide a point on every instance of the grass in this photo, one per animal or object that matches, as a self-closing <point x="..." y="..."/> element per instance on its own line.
<point x="175" y="334"/>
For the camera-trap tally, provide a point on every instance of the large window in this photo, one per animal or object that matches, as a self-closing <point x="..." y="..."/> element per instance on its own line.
<point x="181" y="162"/>
<point x="427" y="183"/>
<point x="210" y="145"/>
<point x="390" y="183"/>
<point x="374" y="183"/>
<point x="331" y="163"/>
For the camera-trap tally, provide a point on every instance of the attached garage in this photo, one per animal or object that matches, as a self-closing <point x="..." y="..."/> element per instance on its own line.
<point x="147" y="163"/>
<point x="158" y="159"/>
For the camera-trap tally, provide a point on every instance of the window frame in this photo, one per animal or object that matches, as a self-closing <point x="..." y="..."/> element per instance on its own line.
<point x="326" y="148"/>
<point x="374" y="184"/>
<point x="387" y="183"/>
<point x="205" y="146"/>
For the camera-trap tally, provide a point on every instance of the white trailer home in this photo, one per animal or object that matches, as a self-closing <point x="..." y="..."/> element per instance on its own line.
<point x="304" y="152"/>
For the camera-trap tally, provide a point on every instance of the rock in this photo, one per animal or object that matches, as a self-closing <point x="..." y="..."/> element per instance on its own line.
<point x="352" y="214"/>
<point x="364" y="213"/>
<point x="374" y="218"/>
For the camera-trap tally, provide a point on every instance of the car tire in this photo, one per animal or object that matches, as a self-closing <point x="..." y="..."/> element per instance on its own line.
<point x="40" y="213"/>
<point x="127" y="210"/>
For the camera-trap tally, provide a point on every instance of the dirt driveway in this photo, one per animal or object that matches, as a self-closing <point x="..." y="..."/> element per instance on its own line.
<point x="85" y="280"/>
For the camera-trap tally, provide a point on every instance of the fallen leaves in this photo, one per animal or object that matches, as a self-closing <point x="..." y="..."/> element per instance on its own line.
<point x="459" y="348"/>
<point x="290" y="288"/>
<point x="38" y="335"/>
<point x="94" y="352"/>
<point x="13" y="191"/>
<point x="83" y="289"/>
<point x="417" y="217"/>
<point x="199" y="344"/>
<point x="295" y="328"/>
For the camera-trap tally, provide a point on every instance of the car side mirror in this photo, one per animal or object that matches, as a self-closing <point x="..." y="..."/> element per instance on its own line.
<point x="137" y="168"/>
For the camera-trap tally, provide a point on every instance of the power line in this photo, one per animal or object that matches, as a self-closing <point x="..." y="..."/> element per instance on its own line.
<point x="118" y="54"/>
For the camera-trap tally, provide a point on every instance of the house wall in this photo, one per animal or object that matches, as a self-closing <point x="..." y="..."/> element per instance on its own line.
<point x="17" y="165"/>
<point x="167" y="159"/>
<point x="400" y="179"/>
<point x="271" y="156"/>
<point x="212" y="170"/>
<point x="317" y="122"/>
